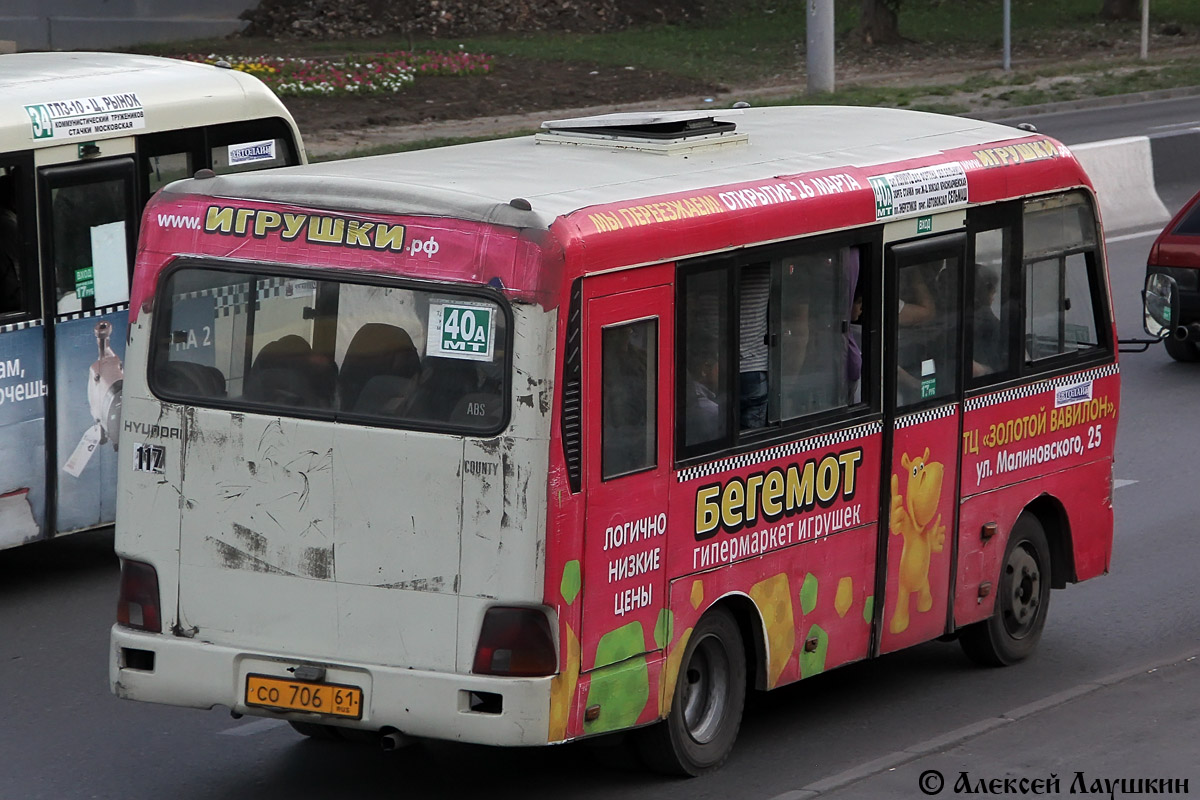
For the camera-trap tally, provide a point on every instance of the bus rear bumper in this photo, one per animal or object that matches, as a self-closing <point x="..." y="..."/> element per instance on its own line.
<point x="158" y="668"/>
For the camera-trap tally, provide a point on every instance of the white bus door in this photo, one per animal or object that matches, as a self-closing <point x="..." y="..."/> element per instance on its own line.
<point x="88" y="235"/>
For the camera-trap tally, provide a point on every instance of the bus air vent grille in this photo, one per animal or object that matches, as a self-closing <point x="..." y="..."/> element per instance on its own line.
<point x="572" y="401"/>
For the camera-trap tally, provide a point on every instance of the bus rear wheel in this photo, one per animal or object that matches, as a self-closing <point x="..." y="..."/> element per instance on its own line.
<point x="706" y="710"/>
<point x="1012" y="632"/>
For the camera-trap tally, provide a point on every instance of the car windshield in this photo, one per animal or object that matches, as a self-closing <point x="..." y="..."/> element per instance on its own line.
<point x="397" y="355"/>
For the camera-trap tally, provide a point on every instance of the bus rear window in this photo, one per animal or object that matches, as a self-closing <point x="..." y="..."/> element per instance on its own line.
<point x="375" y="354"/>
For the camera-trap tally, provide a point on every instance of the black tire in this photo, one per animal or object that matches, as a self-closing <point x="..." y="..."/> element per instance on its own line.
<point x="706" y="711"/>
<point x="1186" y="352"/>
<point x="1022" y="601"/>
<point x="313" y="730"/>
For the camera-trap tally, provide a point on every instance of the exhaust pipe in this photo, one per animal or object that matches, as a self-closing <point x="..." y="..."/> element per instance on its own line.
<point x="1187" y="333"/>
<point x="394" y="740"/>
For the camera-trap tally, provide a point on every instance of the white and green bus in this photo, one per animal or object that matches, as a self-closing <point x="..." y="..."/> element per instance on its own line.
<point x="85" y="140"/>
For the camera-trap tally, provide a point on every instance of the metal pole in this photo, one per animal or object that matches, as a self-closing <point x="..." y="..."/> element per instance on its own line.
<point x="1145" y="29"/>
<point x="1008" y="35"/>
<point x="820" y="46"/>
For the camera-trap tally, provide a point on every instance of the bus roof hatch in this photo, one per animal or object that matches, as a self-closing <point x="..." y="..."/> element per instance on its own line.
<point x="666" y="132"/>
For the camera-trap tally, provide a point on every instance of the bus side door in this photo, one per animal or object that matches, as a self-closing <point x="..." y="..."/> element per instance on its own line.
<point x="88" y="232"/>
<point x="628" y="425"/>
<point x="923" y="420"/>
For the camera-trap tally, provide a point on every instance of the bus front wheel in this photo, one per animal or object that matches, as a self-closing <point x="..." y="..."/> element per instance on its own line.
<point x="1187" y="352"/>
<point x="314" y="730"/>
<point x="1012" y="632"/>
<point x="333" y="733"/>
<point x="706" y="710"/>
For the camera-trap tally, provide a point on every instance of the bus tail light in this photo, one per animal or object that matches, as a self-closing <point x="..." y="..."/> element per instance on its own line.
<point x="515" y="642"/>
<point x="137" y="606"/>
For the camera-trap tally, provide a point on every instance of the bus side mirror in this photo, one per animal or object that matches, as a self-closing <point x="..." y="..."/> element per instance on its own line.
<point x="1160" y="303"/>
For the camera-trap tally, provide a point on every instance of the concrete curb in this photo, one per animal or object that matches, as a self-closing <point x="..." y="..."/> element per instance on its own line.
<point x="1130" y="174"/>
<point x="1122" y="170"/>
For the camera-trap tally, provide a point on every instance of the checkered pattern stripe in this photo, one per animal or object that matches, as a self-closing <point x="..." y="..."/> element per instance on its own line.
<point x="908" y="420"/>
<point x="21" y="326"/>
<point x="1020" y="392"/>
<point x="235" y="299"/>
<point x="227" y="304"/>
<point x="779" y="451"/>
<point x="99" y="312"/>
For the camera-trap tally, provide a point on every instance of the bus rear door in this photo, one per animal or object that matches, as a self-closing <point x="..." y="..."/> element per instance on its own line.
<point x="628" y="341"/>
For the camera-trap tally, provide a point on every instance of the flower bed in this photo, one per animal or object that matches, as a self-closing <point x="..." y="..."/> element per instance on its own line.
<point x="377" y="73"/>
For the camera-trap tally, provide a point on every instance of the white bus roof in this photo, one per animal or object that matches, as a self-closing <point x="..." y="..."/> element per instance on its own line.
<point x="477" y="181"/>
<point x="174" y="93"/>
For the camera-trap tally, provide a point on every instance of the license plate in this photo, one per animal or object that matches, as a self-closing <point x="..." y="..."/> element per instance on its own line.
<point x="332" y="699"/>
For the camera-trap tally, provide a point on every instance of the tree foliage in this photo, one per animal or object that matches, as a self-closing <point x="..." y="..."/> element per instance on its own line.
<point x="1121" y="9"/>
<point x="878" y="21"/>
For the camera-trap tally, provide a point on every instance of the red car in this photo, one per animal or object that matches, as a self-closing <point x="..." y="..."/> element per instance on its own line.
<point x="1176" y="252"/>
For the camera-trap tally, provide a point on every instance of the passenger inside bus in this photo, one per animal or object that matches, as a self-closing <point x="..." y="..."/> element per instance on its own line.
<point x="755" y="293"/>
<point x="854" y="357"/>
<point x="704" y="417"/>
<point x="917" y="331"/>
<point x="989" y="352"/>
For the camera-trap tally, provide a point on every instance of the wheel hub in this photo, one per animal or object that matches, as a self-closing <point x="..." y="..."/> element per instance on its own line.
<point x="706" y="692"/>
<point x="1023" y="580"/>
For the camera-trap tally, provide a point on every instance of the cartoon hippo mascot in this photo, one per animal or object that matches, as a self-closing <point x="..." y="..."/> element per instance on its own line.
<point x="912" y="516"/>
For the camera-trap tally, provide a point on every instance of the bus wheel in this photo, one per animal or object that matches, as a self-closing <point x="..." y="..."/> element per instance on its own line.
<point x="1013" y="630"/>
<point x="1186" y="352"/>
<point x="315" y="730"/>
<point x="706" y="711"/>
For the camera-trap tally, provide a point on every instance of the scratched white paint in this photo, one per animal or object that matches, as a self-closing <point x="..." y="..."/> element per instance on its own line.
<point x="147" y="526"/>
<point x="256" y="560"/>
<point x="375" y="552"/>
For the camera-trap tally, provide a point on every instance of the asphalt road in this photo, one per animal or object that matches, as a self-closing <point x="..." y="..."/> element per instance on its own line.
<point x="1129" y="116"/>
<point x="63" y="736"/>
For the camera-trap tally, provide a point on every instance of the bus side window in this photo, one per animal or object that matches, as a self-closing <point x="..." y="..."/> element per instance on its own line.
<point x="1061" y="277"/>
<point x="754" y="353"/>
<point x="91" y="259"/>
<point x="11" y="289"/>
<point x="167" y="168"/>
<point x="927" y="331"/>
<point x="768" y="343"/>
<point x="991" y="312"/>
<point x="706" y="369"/>
<point x="629" y="375"/>
<point x="821" y="352"/>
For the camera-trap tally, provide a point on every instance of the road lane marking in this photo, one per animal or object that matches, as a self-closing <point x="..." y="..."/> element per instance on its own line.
<point x="1121" y="482"/>
<point x="950" y="739"/>
<point x="1130" y="236"/>
<point x="254" y="728"/>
